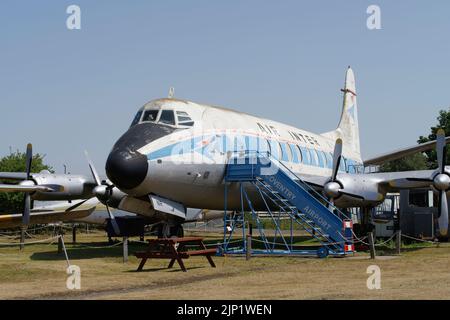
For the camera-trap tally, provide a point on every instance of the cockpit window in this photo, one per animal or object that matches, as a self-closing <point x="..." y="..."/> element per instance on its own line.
<point x="136" y="119"/>
<point x="167" y="117"/>
<point x="150" y="115"/>
<point x="184" y="119"/>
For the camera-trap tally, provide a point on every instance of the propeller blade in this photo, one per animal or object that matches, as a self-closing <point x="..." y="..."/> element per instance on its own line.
<point x="443" y="211"/>
<point x="28" y="159"/>
<point x="336" y="158"/>
<point x="440" y="149"/>
<point x="26" y="210"/>
<point x="93" y="171"/>
<point x="113" y="220"/>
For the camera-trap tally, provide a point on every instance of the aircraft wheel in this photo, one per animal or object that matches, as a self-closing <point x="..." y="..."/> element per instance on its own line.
<point x="177" y="231"/>
<point x="322" y="252"/>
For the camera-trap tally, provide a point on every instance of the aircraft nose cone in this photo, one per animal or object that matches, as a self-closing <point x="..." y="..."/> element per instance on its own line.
<point x="126" y="169"/>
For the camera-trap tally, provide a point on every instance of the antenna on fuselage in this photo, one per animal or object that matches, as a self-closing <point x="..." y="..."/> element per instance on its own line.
<point x="171" y="92"/>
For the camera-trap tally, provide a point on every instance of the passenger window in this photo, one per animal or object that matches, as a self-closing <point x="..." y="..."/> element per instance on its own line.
<point x="342" y="165"/>
<point x="314" y="160"/>
<point x="344" y="161"/>
<point x="305" y="155"/>
<point x="322" y="159"/>
<point x="351" y="168"/>
<point x="286" y="152"/>
<point x="150" y="115"/>
<point x="319" y="158"/>
<point x="268" y="147"/>
<point x="300" y="155"/>
<point x="274" y="149"/>
<point x="280" y="152"/>
<point x="167" y="117"/>
<point x="252" y="144"/>
<point x="240" y="143"/>
<point x="329" y="160"/>
<point x="294" y="152"/>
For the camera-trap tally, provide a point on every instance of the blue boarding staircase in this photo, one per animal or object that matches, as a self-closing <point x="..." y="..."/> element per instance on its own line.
<point x="285" y="196"/>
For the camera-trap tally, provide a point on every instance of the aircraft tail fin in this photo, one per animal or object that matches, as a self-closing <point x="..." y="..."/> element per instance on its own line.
<point x="348" y="128"/>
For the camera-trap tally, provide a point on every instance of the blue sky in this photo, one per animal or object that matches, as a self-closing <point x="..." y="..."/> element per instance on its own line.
<point x="66" y="91"/>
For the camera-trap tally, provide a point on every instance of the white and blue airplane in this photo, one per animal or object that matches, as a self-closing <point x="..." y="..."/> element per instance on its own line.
<point x="175" y="154"/>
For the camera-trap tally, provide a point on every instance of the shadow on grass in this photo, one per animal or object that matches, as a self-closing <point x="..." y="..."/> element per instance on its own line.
<point x="89" y="250"/>
<point x="175" y="268"/>
<point x="390" y="250"/>
<point x="92" y="250"/>
<point x="298" y="242"/>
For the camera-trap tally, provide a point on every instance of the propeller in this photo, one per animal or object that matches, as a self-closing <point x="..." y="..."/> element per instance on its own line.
<point x="103" y="191"/>
<point x="333" y="188"/>
<point x="441" y="182"/>
<point x="27" y="197"/>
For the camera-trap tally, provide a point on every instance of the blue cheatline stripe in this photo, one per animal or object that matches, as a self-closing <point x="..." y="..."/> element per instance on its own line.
<point x="224" y="143"/>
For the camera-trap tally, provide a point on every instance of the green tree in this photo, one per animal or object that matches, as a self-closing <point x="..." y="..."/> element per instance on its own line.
<point x="422" y="161"/>
<point x="414" y="162"/>
<point x="444" y="123"/>
<point x="15" y="162"/>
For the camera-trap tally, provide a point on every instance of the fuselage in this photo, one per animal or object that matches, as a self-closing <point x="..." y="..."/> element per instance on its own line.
<point x="179" y="150"/>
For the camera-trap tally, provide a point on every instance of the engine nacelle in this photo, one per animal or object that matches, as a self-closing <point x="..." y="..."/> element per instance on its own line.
<point x="358" y="190"/>
<point x="75" y="186"/>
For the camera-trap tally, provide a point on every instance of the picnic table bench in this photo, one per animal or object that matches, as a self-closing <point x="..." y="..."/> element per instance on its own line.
<point x="175" y="249"/>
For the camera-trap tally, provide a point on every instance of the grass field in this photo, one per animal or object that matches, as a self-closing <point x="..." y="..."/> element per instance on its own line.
<point x="40" y="273"/>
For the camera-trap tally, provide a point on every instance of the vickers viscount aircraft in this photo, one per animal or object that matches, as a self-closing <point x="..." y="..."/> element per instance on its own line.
<point x="175" y="154"/>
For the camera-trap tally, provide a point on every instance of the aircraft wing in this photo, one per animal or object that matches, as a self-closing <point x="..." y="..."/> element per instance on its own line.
<point x="397" y="154"/>
<point x="23" y="188"/>
<point x="395" y="181"/>
<point x="62" y="211"/>
<point x="43" y="217"/>
<point x="370" y="188"/>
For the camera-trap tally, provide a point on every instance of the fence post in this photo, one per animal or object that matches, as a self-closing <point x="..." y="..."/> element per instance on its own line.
<point x="74" y="234"/>
<point x="398" y="242"/>
<point x="371" y="245"/>
<point x="22" y="238"/>
<point x="125" y="249"/>
<point x="60" y="246"/>
<point x="248" y="251"/>
<point x="63" y="247"/>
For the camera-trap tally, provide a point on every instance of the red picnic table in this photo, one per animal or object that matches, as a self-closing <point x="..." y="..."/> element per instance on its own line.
<point x="175" y="249"/>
